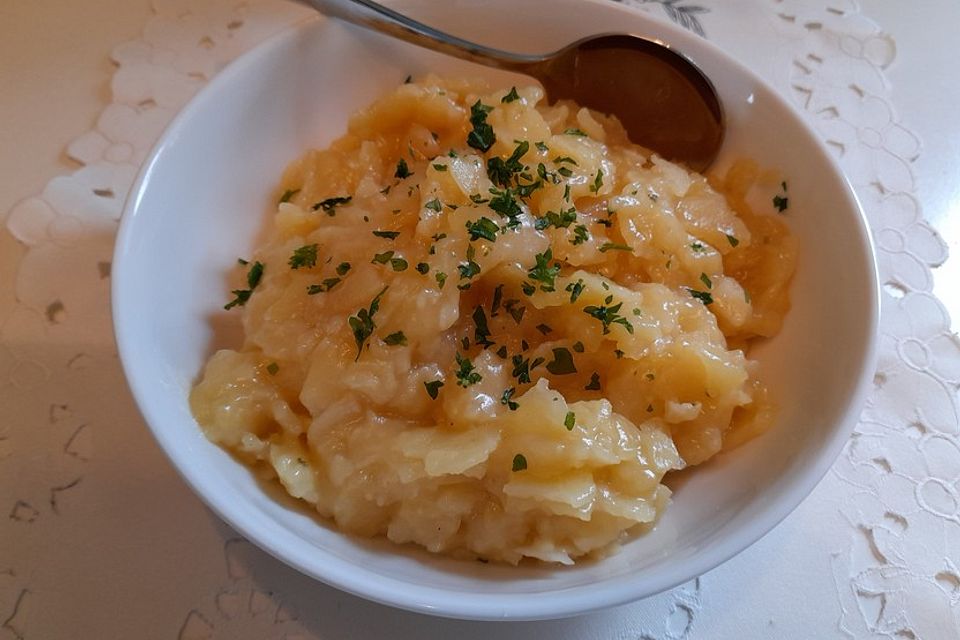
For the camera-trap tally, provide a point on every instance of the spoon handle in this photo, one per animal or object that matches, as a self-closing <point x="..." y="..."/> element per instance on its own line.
<point x="374" y="16"/>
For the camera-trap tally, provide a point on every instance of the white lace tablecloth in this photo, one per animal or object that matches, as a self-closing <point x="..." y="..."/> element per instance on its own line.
<point x="99" y="538"/>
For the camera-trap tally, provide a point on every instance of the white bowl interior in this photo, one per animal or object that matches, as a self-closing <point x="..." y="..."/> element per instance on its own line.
<point x="204" y="195"/>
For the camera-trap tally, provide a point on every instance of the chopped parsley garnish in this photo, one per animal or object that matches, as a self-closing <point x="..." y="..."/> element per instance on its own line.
<point x="613" y="246"/>
<point x="578" y="346"/>
<point x="502" y="351"/>
<point x="273" y="368"/>
<point x="510" y="97"/>
<point x="580" y="235"/>
<point x="483" y="228"/>
<point x="506" y="205"/>
<point x="702" y="296"/>
<point x="497" y="297"/>
<point x="608" y="315"/>
<point x="522" y="367"/>
<point x="440" y="167"/>
<point x="423" y="268"/>
<point x="650" y="376"/>
<point x="502" y="171"/>
<point x="466" y="374"/>
<point x="544" y="328"/>
<point x="732" y="240"/>
<point x="562" y="363"/>
<point x="403" y="171"/>
<point x="305" y="256"/>
<point x="242" y="295"/>
<point x="396" y="338"/>
<point x="519" y="462"/>
<point x="515" y="309"/>
<point x="575" y="289"/>
<point x="698" y="247"/>
<point x="441" y="278"/>
<point x="325" y="286"/>
<point x="382" y="258"/>
<point x="541" y="145"/>
<point x="481" y="332"/>
<point x="434" y="205"/>
<point x="398" y="264"/>
<point x="544" y="273"/>
<point x="343" y="268"/>
<point x="433" y="388"/>
<point x="575" y="132"/>
<point x="562" y="159"/>
<point x="561" y="220"/>
<point x="594" y="384"/>
<point x="506" y="399"/>
<point x="570" y="420"/>
<point x="781" y="203"/>
<point x="362" y="324"/>
<point x="705" y="279"/>
<point x="482" y="136"/>
<point x="469" y="269"/>
<point x="597" y="182"/>
<point x="289" y="193"/>
<point x="330" y="204"/>
<point x="389" y="235"/>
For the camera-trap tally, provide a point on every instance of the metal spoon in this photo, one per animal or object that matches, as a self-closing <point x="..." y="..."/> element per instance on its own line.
<point x="663" y="100"/>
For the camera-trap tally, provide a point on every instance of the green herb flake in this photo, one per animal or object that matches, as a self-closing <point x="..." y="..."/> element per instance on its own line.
<point x="515" y="309"/>
<point x="597" y="182"/>
<point x="423" y="268"/>
<point x="506" y="205"/>
<point x="389" y="235"/>
<point x="702" y="296"/>
<point x="441" y="278"/>
<point x="594" y="384"/>
<point x="608" y="315"/>
<point x="613" y="246"/>
<point x="705" y="279"/>
<point x="466" y="373"/>
<point x="506" y="399"/>
<point x="519" y="462"/>
<point x="780" y="203"/>
<point x="481" y="331"/>
<point x="305" y="256"/>
<point x="575" y="289"/>
<point x="510" y="97"/>
<point x="578" y="347"/>
<point x="330" y="205"/>
<point x="273" y="368"/>
<point x="542" y="146"/>
<point x="398" y="264"/>
<point x="343" y="268"/>
<point x="439" y="167"/>
<point x="287" y="195"/>
<point x="545" y="329"/>
<point x="567" y="159"/>
<point x="397" y="338"/>
<point x="483" y="228"/>
<point x="580" y="235"/>
<point x="254" y="275"/>
<point x="698" y="247"/>
<point x="562" y="363"/>
<point x="543" y="272"/>
<point x="326" y="285"/>
<point x="497" y="297"/>
<point x="566" y="172"/>
<point x="433" y="388"/>
<point x="570" y="420"/>
<point x="575" y="132"/>
<point x="732" y="240"/>
<point x="502" y="352"/>
<point x="403" y="171"/>
<point x="482" y="136"/>
<point x="560" y="220"/>
<point x="382" y="258"/>
<point x="651" y="377"/>
<point x="362" y="324"/>
<point x="434" y="205"/>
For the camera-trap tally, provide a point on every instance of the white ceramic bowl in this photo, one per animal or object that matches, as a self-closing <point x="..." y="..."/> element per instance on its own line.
<point x="204" y="193"/>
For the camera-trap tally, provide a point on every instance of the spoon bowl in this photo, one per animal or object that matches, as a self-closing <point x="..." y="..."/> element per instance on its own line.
<point x="664" y="101"/>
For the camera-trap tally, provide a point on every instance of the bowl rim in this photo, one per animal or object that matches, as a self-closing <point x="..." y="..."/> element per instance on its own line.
<point x="566" y="602"/>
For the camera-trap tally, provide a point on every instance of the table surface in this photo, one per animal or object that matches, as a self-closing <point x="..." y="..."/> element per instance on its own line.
<point x="88" y="550"/>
